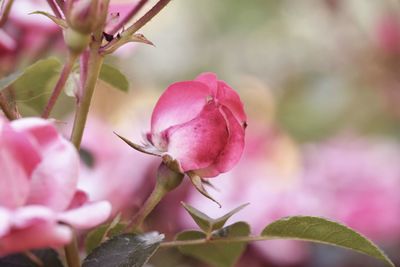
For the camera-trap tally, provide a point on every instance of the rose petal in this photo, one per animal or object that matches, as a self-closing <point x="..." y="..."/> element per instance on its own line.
<point x="19" y="146"/>
<point x="232" y="151"/>
<point x="42" y="130"/>
<point x="7" y="43"/>
<point x="224" y="94"/>
<point x="54" y="181"/>
<point x="210" y="79"/>
<point x="80" y="198"/>
<point x="230" y="99"/>
<point x="180" y="103"/>
<point x="39" y="235"/>
<point x="87" y="216"/>
<point x="197" y="143"/>
<point x="5" y="221"/>
<point x="30" y="215"/>
<point x="14" y="183"/>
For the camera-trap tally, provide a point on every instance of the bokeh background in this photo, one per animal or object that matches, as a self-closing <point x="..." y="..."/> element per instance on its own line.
<point x="320" y="82"/>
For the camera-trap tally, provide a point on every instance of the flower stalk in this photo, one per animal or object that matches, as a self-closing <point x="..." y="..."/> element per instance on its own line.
<point x="5" y="107"/>
<point x="94" y="67"/>
<point x="167" y="180"/>
<point x="60" y="84"/>
<point x="54" y="8"/>
<point x="6" y="12"/>
<point x="72" y="253"/>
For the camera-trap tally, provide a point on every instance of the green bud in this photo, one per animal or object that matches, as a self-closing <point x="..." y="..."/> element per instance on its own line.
<point x="76" y="41"/>
<point x="167" y="178"/>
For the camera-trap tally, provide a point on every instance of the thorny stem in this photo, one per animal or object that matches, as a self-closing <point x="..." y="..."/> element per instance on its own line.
<point x="128" y="17"/>
<point x="6" y="12"/>
<point x="59" y="85"/>
<point x="54" y="7"/>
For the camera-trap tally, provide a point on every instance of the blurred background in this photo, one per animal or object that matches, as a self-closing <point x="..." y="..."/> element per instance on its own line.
<point x="320" y="80"/>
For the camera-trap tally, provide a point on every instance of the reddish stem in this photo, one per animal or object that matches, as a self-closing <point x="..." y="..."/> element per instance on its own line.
<point x="59" y="86"/>
<point x="54" y="7"/>
<point x="148" y="16"/>
<point x="6" y="107"/>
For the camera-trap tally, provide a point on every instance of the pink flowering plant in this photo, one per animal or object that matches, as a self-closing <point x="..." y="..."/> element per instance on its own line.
<point x="70" y="201"/>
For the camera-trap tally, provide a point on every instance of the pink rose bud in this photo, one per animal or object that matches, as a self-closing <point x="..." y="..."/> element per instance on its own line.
<point x="200" y="124"/>
<point x="83" y="15"/>
<point x="39" y="200"/>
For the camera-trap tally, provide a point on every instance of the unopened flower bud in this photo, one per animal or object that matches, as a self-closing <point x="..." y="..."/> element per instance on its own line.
<point x="83" y="15"/>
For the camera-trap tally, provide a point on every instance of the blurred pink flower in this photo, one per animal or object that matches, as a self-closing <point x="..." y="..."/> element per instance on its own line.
<point x="388" y="33"/>
<point x="38" y="195"/>
<point x="201" y="124"/>
<point x="112" y="171"/>
<point x="7" y="43"/>
<point x="32" y="34"/>
<point x="356" y="181"/>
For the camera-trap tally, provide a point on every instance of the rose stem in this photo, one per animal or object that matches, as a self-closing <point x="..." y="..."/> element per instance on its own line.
<point x="151" y="202"/>
<point x="6" y="12"/>
<point x="6" y="108"/>
<point x="54" y="7"/>
<point x="59" y="85"/>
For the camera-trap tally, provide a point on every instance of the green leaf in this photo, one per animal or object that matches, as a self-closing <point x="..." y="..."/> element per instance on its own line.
<point x="216" y="254"/>
<point x="125" y="250"/>
<point x="48" y="257"/>
<point x="114" y="77"/>
<point x="103" y="232"/>
<point x="33" y="85"/>
<point x="10" y="79"/>
<point x="201" y="219"/>
<point x="220" y="222"/>
<point x="320" y="230"/>
<point x="206" y="223"/>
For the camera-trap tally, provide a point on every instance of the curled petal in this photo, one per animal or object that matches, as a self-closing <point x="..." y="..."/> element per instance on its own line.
<point x="87" y="216"/>
<point x="197" y="143"/>
<point x="43" y="131"/>
<point x="210" y="79"/>
<point x="18" y="159"/>
<point x="39" y="235"/>
<point x="180" y="103"/>
<point x="232" y="152"/>
<point x="224" y="94"/>
<point x="19" y="146"/>
<point x="229" y="98"/>
<point x="79" y="199"/>
<point x="29" y="215"/>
